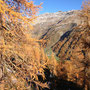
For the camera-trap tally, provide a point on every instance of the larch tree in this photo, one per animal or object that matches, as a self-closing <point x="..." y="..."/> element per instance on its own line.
<point x="14" y="10"/>
<point x="86" y="12"/>
<point x="22" y="59"/>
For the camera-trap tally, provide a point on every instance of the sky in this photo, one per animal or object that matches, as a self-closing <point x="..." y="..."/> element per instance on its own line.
<point x="58" y="5"/>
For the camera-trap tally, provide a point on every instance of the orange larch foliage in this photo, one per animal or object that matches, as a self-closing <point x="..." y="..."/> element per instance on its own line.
<point x="86" y="12"/>
<point x="77" y="69"/>
<point x="21" y="57"/>
<point x="23" y="11"/>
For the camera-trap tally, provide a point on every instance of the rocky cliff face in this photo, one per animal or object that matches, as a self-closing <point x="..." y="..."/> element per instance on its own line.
<point x="51" y="26"/>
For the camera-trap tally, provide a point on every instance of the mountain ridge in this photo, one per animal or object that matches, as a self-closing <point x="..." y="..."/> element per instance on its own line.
<point x="51" y="25"/>
<point x="47" y="20"/>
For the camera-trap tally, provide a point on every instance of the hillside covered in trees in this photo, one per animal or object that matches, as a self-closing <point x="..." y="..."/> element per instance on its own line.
<point x="48" y="52"/>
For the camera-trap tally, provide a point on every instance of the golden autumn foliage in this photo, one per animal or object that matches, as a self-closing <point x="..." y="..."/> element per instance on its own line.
<point x="22" y="59"/>
<point x="23" y="11"/>
<point x="77" y="69"/>
<point x="86" y="12"/>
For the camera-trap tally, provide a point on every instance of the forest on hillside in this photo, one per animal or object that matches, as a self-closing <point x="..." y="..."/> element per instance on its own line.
<point x="26" y="64"/>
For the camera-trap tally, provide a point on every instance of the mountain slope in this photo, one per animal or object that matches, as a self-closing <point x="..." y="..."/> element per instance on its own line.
<point x="51" y="26"/>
